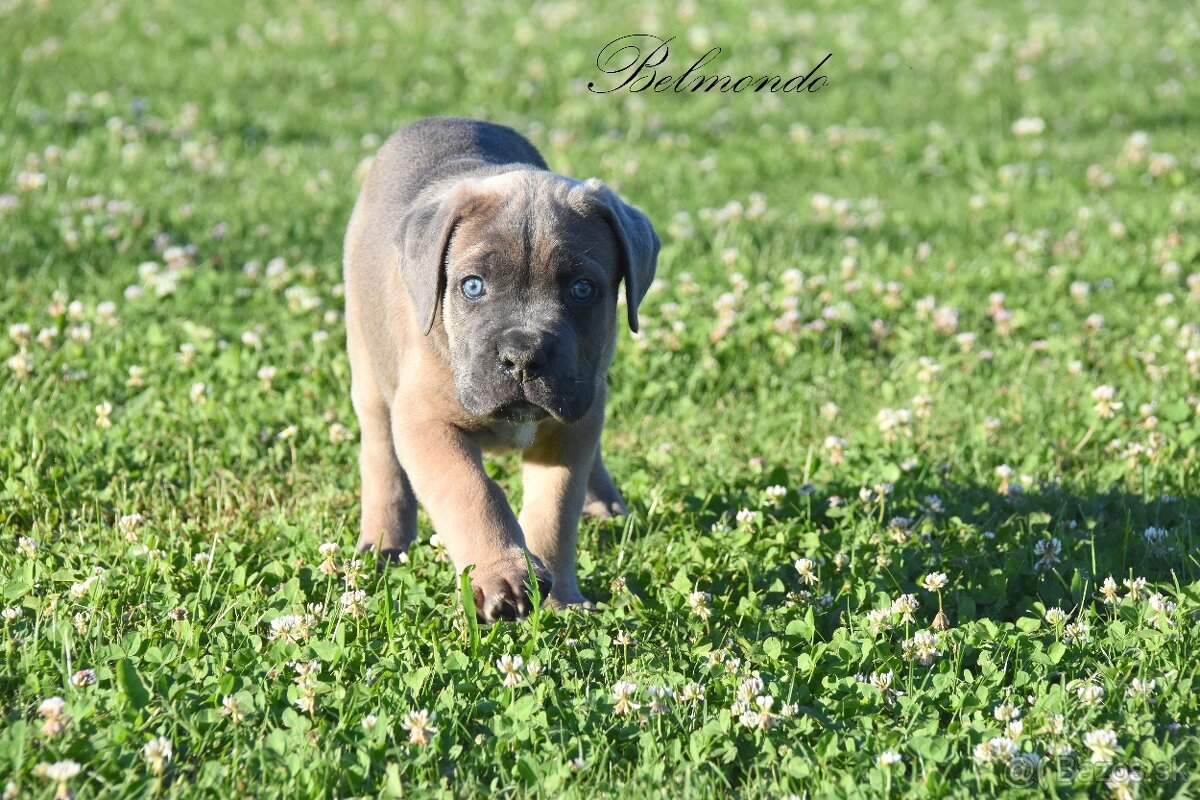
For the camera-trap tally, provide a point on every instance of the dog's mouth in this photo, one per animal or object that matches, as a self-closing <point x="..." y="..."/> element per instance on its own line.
<point x="531" y="401"/>
<point x="521" y="411"/>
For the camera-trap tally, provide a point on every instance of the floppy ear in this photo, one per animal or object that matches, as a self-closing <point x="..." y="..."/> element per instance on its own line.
<point x="423" y="241"/>
<point x="637" y="243"/>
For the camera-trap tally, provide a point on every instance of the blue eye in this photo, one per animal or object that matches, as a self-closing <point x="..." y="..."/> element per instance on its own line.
<point x="582" y="290"/>
<point x="472" y="287"/>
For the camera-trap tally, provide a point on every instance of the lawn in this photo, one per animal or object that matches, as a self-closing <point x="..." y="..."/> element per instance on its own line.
<point x="909" y="434"/>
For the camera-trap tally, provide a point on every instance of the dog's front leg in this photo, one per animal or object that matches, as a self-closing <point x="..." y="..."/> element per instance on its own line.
<point x="470" y="513"/>
<point x="555" y="473"/>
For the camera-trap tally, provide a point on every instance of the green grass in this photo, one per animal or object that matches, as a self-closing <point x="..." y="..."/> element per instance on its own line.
<point x="222" y="142"/>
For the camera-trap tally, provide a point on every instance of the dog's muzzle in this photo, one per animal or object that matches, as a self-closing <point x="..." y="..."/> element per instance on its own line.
<point x="523" y="355"/>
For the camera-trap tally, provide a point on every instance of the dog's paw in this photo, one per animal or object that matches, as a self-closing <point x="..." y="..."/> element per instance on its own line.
<point x="500" y="589"/>
<point x="598" y="507"/>
<point x="570" y="600"/>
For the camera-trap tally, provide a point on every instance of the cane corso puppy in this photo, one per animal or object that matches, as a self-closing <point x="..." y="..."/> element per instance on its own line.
<point x="481" y="315"/>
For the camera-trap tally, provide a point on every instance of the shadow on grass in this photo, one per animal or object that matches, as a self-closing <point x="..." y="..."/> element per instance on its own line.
<point x="1003" y="553"/>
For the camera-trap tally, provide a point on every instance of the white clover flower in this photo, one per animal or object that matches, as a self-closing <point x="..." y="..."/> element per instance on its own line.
<point x="103" y="412"/>
<point x="623" y="692"/>
<point x="354" y="602"/>
<point x="836" y="447"/>
<point x="106" y="312"/>
<point x="306" y="701"/>
<point x="1108" y="590"/>
<point x="1106" y="406"/>
<point x="894" y="423"/>
<point x="510" y="665"/>
<point x="659" y="695"/>
<point x="759" y="715"/>
<point x="882" y="683"/>
<point x="745" y="517"/>
<point x="1028" y="126"/>
<point x="21" y="365"/>
<point x="84" y="677"/>
<point x="52" y="707"/>
<point x="1077" y="633"/>
<point x="339" y="433"/>
<point x="289" y="628"/>
<point x="1056" y="616"/>
<point x="59" y="771"/>
<point x="890" y="758"/>
<point x="266" y="375"/>
<point x="306" y="672"/>
<point x="1123" y="782"/>
<point x="1103" y="744"/>
<point x="157" y="753"/>
<point x="1047" y="552"/>
<point x="417" y="723"/>
<point x="351" y="570"/>
<point x="137" y="377"/>
<point x="806" y="567"/>
<point x="1161" y="604"/>
<point x="232" y="709"/>
<point x="1135" y="587"/>
<point x="1156" y="539"/>
<point x="128" y="525"/>
<point x="775" y="494"/>
<point x="749" y="688"/>
<point x="698" y="602"/>
<point x="904" y="606"/>
<point x="52" y="711"/>
<point x="20" y="333"/>
<point x="922" y="648"/>
<point x="328" y="551"/>
<point x="927" y="369"/>
<point x="934" y="581"/>
<point x="80" y="590"/>
<point x="999" y="749"/>
<point x="1006" y="712"/>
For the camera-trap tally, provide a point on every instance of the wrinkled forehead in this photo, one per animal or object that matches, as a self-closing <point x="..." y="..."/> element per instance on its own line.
<point x="527" y="217"/>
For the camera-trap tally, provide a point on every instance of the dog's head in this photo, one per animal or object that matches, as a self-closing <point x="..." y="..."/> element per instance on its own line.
<point x="522" y="269"/>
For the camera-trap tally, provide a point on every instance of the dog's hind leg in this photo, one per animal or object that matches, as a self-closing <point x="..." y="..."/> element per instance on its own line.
<point x="603" y="499"/>
<point x="389" y="507"/>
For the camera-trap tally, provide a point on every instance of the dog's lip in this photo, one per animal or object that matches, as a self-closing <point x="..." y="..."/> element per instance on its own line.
<point x="521" y="411"/>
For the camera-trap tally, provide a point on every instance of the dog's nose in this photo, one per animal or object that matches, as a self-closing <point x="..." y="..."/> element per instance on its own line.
<point x="522" y="354"/>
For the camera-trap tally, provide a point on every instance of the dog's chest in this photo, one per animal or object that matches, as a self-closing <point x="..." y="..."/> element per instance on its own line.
<point x="510" y="436"/>
<point x="523" y="435"/>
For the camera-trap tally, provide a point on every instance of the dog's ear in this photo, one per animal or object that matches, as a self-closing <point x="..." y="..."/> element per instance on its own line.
<point x="637" y="242"/>
<point x="424" y="241"/>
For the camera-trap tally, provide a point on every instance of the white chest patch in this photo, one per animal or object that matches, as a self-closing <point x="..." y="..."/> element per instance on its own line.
<point x="523" y="435"/>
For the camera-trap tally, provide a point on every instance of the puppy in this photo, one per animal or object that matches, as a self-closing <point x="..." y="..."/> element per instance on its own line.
<point x="481" y="315"/>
